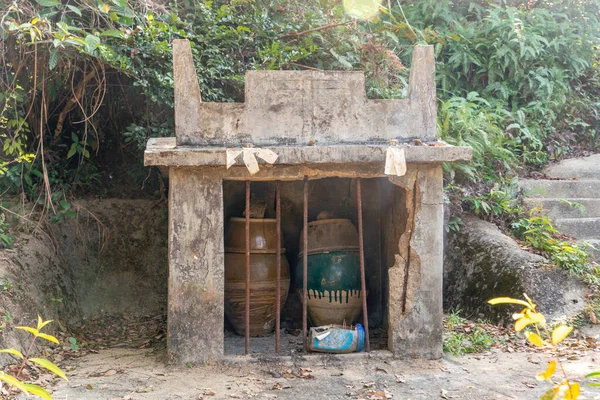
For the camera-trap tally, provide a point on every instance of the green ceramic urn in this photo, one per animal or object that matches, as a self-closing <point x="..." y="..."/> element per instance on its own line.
<point x="334" y="295"/>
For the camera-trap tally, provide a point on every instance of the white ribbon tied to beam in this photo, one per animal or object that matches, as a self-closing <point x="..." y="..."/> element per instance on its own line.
<point x="249" y="155"/>
<point x="395" y="161"/>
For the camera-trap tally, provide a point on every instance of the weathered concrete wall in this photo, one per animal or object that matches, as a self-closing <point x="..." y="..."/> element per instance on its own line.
<point x="196" y="266"/>
<point x="116" y="255"/>
<point x="414" y="246"/>
<point x="297" y="107"/>
<point x="34" y="281"/>
<point x="481" y="263"/>
<point x="111" y="260"/>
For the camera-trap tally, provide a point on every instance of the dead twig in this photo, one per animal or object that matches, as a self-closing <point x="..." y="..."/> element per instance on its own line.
<point x="103" y="231"/>
<point x="98" y="96"/>
<point x="43" y="117"/>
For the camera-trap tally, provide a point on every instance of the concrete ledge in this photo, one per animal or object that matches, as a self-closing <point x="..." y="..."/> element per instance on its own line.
<point x="164" y="152"/>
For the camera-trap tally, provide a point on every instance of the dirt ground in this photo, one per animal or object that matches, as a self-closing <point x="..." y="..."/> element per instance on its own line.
<point x="121" y="373"/>
<point x="125" y="358"/>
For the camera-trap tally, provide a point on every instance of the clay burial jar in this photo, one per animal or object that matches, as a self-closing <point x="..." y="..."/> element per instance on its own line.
<point x="334" y="295"/>
<point x="263" y="275"/>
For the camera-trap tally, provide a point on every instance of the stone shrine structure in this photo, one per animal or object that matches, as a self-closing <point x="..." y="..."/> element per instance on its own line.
<point x="320" y="125"/>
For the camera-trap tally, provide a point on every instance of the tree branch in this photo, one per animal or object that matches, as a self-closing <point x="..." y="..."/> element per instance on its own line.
<point x="78" y="92"/>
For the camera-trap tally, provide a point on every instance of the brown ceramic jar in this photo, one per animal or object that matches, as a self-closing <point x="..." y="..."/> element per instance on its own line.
<point x="263" y="275"/>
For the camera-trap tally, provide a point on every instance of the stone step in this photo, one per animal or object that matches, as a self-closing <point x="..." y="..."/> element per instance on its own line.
<point x="580" y="228"/>
<point x="582" y="168"/>
<point x="560" y="208"/>
<point x="557" y="189"/>
<point x="595" y="250"/>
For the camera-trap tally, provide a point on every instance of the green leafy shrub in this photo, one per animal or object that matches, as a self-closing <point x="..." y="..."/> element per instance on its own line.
<point x="7" y="239"/>
<point x="472" y="122"/>
<point x="537" y="231"/>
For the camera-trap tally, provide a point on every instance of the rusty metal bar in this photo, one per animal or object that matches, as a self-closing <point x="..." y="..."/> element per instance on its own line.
<point x="247" y="319"/>
<point x="278" y="223"/>
<point x="305" y="269"/>
<point x="361" y="247"/>
<point x="379" y="249"/>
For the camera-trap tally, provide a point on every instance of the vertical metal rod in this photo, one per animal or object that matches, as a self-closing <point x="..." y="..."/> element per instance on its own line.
<point x="305" y="269"/>
<point x="247" y="346"/>
<point x="379" y="249"/>
<point x="278" y="223"/>
<point x="363" y="285"/>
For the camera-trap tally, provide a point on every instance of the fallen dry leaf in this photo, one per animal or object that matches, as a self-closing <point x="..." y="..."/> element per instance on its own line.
<point x="377" y="395"/>
<point x="208" y="392"/>
<point x="529" y="385"/>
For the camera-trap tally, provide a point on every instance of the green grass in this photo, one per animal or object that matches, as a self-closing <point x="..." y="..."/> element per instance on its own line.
<point x="465" y="337"/>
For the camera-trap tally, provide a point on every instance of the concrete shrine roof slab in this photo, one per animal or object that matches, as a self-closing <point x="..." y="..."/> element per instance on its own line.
<point x="165" y="152"/>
